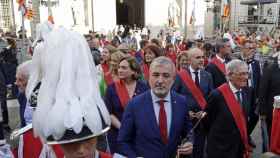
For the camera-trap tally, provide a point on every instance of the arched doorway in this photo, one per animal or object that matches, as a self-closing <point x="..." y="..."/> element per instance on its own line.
<point x="130" y="12"/>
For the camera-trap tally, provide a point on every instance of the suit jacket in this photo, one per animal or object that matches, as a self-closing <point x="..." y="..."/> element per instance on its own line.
<point x="139" y="135"/>
<point x="206" y="86"/>
<point x="223" y="136"/>
<point x="269" y="87"/>
<point x="218" y="76"/>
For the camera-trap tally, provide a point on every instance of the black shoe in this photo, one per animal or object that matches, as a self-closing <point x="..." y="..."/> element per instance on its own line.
<point x="7" y="128"/>
<point x="252" y="143"/>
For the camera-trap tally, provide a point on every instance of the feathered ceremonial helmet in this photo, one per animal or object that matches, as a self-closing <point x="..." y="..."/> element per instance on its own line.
<point x="70" y="107"/>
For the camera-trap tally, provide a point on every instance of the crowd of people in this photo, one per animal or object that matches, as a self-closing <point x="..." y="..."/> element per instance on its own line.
<point x="136" y="96"/>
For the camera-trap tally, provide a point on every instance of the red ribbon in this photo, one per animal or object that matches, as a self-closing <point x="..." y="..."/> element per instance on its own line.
<point x="196" y="92"/>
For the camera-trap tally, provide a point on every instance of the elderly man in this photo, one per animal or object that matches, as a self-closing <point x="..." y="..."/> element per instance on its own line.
<point x="22" y="75"/>
<point x="216" y="67"/>
<point x="155" y="122"/>
<point x="195" y="83"/>
<point x="226" y="122"/>
<point x="247" y="55"/>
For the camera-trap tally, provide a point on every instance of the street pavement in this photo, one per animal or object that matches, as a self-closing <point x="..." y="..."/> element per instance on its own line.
<point x="14" y="123"/>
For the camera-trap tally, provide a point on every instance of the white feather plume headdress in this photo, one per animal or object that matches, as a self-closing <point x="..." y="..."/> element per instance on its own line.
<point x="69" y="96"/>
<point x="42" y="31"/>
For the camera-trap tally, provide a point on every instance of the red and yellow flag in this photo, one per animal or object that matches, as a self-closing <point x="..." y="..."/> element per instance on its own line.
<point x="226" y="11"/>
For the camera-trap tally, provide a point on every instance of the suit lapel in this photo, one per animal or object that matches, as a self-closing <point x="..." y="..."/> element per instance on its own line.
<point x="174" y="111"/>
<point x="245" y="101"/>
<point x="203" y="80"/>
<point x="150" y="114"/>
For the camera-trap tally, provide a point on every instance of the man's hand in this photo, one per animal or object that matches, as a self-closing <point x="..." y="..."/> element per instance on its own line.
<point x="192" y="115"/>
<point x="185" y="149"/>
<point x="196" y="115"/>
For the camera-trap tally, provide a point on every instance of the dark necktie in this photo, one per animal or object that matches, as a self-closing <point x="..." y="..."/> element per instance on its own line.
<point x="196" y="79"/>
<point x="163" y="122"/>
<point x="238" y="94"/>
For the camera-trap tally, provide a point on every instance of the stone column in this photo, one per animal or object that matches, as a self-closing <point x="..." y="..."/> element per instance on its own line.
<point x="36" y="18"/>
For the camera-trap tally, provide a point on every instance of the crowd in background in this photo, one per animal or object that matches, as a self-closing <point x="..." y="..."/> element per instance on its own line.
<point x="123" y="62"/>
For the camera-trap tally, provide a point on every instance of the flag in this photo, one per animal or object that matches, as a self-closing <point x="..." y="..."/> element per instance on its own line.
<point x="21" y="2"/>
<point x="22" y="7"/>
<point x="226" y="11"/>
<point x="192" y="19"/>
<point x="50" y="19"/>
<point x="29" y="14"/>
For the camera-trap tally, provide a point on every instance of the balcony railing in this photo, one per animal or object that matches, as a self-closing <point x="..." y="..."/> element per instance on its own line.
<point x="257" y="19"/>
<point x="256" y="2"/>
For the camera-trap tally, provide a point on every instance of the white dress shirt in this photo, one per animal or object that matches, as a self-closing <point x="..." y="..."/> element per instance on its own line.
<point x="167" y="108"/>
<point x="193" y="74"/>
<point x="234" y="90"/>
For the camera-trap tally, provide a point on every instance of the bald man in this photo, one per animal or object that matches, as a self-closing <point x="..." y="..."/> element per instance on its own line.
<point x="195" y="83"/>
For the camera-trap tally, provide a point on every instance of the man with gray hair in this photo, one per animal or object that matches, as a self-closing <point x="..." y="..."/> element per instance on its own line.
<point x="226" y="120"/>
<point x="156" y="122"/>
<point x="22" y="76"/>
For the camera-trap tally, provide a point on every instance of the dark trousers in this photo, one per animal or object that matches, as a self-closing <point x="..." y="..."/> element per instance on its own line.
<point x="1" y="132"/>
<point x="253" y="120"/>
<point x="5" y="113"/>
<point x="199" y="144"/>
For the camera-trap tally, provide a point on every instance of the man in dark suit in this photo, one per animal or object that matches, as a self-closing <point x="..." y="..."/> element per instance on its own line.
<point x="156" y="122"/>
<point x="226" y="119"/>
<point x="247" y="55"/>
<point x="191" y="83"/>
<point x="216" y="67"/>
<point x="269" y="87"/>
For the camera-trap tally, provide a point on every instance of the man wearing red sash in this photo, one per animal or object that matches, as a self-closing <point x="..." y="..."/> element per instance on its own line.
<point x="227" y="109"/>
<point x="195" y="83"/>
<point x="216" y="67"/>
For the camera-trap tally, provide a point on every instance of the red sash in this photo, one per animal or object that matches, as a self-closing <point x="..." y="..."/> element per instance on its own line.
<point x="219" y="64"/>
<point x="275" y="134"/>
<point x="105" y="67"/>
<point x="196" y="92"/>
<point x="104" y="155"/>
<point x="146" y="69"/>
<point x="122" y="93"/>
<point x="237" y="114"/>
<point x="107" y="74"/>
<point x="32" y="146"/>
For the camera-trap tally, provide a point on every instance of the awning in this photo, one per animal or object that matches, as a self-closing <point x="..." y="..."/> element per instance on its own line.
<point x="256" y="2"/>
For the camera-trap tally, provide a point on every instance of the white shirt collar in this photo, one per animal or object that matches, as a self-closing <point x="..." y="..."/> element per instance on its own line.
<point x="232" y="87"/>
<point x="221" y="59"/>
<point x="156" y="98"/>
<point x="96" y="154"/>
<point x="192" y="70"/>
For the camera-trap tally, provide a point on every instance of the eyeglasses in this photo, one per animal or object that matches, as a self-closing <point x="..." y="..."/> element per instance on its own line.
<point x="241" y="73"/>
<point x="199" y="57"/>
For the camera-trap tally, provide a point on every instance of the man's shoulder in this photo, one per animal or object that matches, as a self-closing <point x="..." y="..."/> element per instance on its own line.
<point x="205" y="73"/>
<point x="215" y="93"/>
<point x="179" y="98"/>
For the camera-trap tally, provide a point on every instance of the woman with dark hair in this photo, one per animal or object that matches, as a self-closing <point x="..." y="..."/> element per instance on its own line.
<point x="120" y="92"/>
<point x="150" y="53"/>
